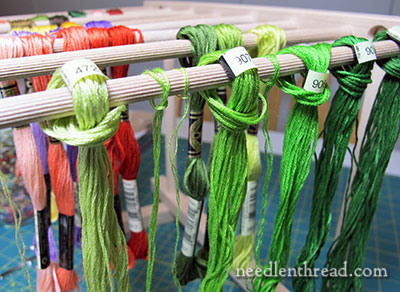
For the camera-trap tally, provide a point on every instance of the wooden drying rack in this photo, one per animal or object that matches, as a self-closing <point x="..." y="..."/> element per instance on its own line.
<point x="303" y="25"/>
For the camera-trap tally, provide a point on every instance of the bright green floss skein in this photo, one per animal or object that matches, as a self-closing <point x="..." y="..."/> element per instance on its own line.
<point x="380" y="137"/>
<point x="229" y="158"/>
<point x="270" y="39"/>
<point x="298" y="147"/>
<point x="103" y="242"/>
<point x="339" y="124"/>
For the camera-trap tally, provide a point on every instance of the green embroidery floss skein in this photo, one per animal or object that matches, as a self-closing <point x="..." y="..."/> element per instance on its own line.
<point x="339" y="124"/>
<point x="227" y="192"/>
<point x="298" y="147"/>
<point x="103" y="242"/>
<point x="195" y="182"/>
<point x="270" y="40"/>
<point x="380" y="137"/>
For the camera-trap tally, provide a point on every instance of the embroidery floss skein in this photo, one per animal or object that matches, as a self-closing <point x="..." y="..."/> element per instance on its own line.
<point x="299" y="144"/>
<point x="380" y="137"/>
<point x="227" y="192"/>
<point x="195" y="182"/>
<point x="270" y="39"/>
<point x="103" y="242"/>
<point x="339" y="124"/>
<point x="29" y="162"/>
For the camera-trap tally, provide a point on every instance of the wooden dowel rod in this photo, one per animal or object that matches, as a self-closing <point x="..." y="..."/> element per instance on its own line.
<point x="23" y="109"/>
<point x="11" y="69"/>
<point x="170" y="34"/>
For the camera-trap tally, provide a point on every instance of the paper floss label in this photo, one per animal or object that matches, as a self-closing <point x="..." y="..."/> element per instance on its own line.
<point x="237" y="60"/>
<point x="249" y="209"/>
<point x="132" y="205"/>
<point x="394" y="32"/>
<point x="315" y="81"/>
<point x="191" y="227"/>
<point x="365" y="52"/>
<point x="75" y="70"/>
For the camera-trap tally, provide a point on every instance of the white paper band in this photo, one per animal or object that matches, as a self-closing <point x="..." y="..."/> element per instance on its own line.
<point x="238" y="60"/>
<point x="133" y="205"/>
<point x="365" y="52"/>
<point x="315" y="81"/>
<point x="75" y="70"/>
<point x="394" y="32"/>
<point x="191" y="227"/>
<point x="249" y="209"/>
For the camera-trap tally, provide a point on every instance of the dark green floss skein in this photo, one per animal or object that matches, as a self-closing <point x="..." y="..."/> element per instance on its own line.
<point x="381" y="134"/>
<point x="299" y="144"/>
<point x="339" y="124"/>
<point x="195" y="182"/>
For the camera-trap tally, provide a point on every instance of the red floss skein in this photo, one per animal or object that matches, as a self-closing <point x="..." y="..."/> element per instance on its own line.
<point x="129" y="166"/>
<point x="115" y="11"/>
<point x="115" y="152"/>
<point x="61" y="181"/>
<point x="30" y="165"/>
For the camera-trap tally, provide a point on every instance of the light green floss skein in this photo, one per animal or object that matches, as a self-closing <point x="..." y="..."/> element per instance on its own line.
<point x="339" y="124"/>
<point x="195" y="182"/>
<point x="299" y="144"/>
<point x="103" y="242"/>
<point x="270" y="39"/>
<point x="157" y="123"/>
<point x="380" y="137"/>
<point x="228" y="175"/>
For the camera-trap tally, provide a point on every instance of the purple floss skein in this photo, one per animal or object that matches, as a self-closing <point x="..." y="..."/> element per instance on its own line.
<point x="72" y="154"/>
<point x="99" y="24"/>
<point x="42" y="144"/>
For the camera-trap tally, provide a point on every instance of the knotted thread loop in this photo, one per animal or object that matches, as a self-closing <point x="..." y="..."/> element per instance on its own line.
<point x="316" y="58"/>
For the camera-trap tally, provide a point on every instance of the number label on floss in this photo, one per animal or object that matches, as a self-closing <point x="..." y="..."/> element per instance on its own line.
<point x="237" y="60"/>
<point x="315" y="81"/>
<point x="75" y="70"/>
<point x="394" y="33"/>
<point x="365" y="52"/>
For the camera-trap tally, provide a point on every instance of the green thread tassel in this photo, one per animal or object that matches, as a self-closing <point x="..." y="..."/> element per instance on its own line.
<point x="380" y="137"/>
<point x="339" y="124"/>
<point x="103" y="242"/>
<point x="299" y="144"/>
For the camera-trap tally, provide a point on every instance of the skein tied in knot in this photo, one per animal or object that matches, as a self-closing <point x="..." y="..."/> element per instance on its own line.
<point x="228" y="191"/>
<point x="299" y="144"/>
<point x="338" y="127"/>
<point x="103" y="242"/>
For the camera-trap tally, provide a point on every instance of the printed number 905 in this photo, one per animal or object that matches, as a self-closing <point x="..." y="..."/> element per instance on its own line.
<point x="243" y="58"/>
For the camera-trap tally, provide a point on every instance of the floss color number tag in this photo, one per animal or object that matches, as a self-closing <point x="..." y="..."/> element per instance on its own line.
<point x="394" y="33"/>
<point x="315" y="81"/>
<point x="75" y="70"/>
<point x="365" y="52"/>
<point x="236" y="61"/>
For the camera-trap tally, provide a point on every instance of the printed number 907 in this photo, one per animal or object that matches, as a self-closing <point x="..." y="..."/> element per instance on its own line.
<point x="243" y="58"/>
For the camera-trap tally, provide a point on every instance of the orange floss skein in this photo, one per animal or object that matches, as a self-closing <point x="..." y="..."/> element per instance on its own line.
<point x="29" y="163"/>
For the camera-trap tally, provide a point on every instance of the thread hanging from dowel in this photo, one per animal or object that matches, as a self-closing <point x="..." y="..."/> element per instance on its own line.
<point x="103" y="246"/>
<point x="363" y="192"/>
<point x="299" y="145"/>
<point x="338" y="127"/>
<point x="30" y="165"/>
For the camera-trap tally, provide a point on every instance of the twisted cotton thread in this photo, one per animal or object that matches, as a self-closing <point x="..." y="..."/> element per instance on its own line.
<point x="380" y="137"/>
<point x="339" y="124"/>
<point x="230" y="157"/>
<point x="195" y="182"/>
<point x="270" y="39"/>
<point x="103" y="242"/>
<point x="299" y="144"/>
